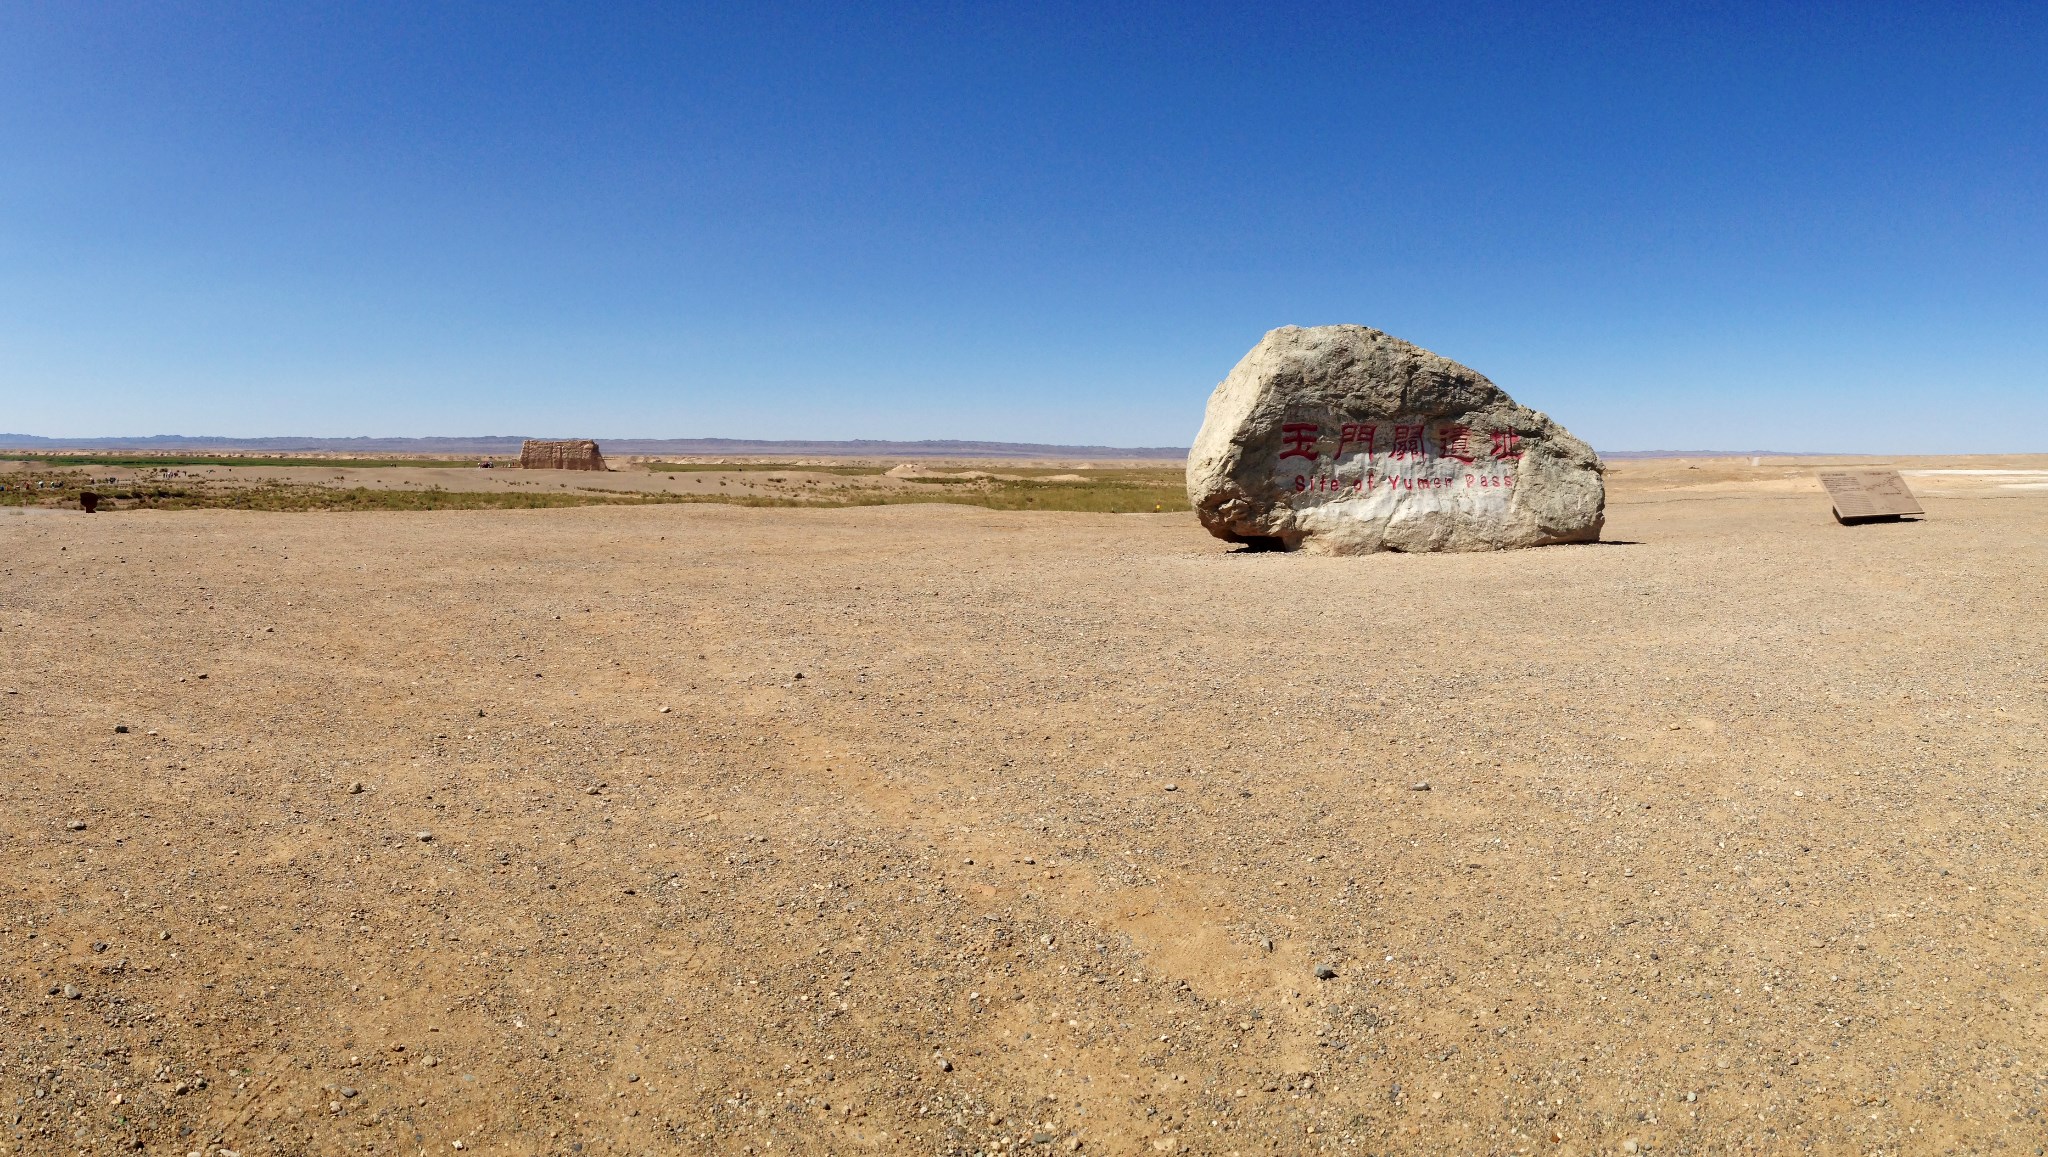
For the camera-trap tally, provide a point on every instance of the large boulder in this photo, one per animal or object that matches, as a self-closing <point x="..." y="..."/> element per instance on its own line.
<point x="1344" y="440"/>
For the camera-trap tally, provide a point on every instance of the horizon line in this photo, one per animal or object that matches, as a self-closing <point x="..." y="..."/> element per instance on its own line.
<point x="501" y="443"/>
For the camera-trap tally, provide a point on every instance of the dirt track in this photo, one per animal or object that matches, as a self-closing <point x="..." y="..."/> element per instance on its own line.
<point x="966" y="831"/>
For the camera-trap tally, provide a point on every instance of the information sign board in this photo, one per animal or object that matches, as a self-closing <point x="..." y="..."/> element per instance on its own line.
<point x="1869" y="495"/>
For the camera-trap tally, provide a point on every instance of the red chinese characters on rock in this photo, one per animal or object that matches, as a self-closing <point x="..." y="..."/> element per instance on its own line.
<point x="1507" y="447"/>
<point x="1407" y="442"/>
<point x="1455" y="442"/>
<point x="1360" y="434"/>
<point x="1300" y="439"/>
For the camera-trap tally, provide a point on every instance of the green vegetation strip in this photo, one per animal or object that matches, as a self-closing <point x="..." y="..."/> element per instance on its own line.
<point x="63" y="490"/>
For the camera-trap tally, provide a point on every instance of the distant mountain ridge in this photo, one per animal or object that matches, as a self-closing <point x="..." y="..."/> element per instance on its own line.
<point x="507" y="444"/>
<point x="1728" y="454"/>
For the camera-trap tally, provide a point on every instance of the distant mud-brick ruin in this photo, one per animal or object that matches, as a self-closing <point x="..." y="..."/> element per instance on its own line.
<point x="575" y="454"/>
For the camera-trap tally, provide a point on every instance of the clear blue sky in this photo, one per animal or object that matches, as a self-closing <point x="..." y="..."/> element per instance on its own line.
<point x="1668" y="225"/>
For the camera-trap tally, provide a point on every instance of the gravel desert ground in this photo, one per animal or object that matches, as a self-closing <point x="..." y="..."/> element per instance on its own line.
<point x="935" y="829"/>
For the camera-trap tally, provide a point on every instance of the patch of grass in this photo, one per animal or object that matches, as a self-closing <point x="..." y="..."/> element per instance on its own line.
<point x="282" y="497"/>
<point x="1096" y="496"/>
<point x="63" y="490"/>
<point x="40" y="488"/>
<point x="1091" y="496"/>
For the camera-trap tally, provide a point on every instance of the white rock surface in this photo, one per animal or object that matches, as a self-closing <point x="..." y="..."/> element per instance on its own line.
<point x="1344" y="440"/>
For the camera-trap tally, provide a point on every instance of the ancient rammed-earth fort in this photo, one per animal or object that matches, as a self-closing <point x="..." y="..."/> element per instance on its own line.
<point x="575" y="454"/>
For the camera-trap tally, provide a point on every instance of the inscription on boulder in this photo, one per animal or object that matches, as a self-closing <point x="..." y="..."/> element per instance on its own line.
<point x="1344" y="440"/>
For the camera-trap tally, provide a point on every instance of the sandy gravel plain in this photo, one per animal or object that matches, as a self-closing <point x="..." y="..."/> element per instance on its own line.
<point x="931" y="829"/>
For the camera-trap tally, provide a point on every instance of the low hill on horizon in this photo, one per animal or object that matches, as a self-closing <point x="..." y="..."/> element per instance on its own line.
<point x="506" y="444"/>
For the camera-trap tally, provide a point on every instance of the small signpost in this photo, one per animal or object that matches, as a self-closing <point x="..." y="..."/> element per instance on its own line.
<point x="1869" y="496"/>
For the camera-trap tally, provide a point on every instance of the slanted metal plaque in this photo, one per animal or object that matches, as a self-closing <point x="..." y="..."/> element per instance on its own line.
<point x="1869" y="496"/>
